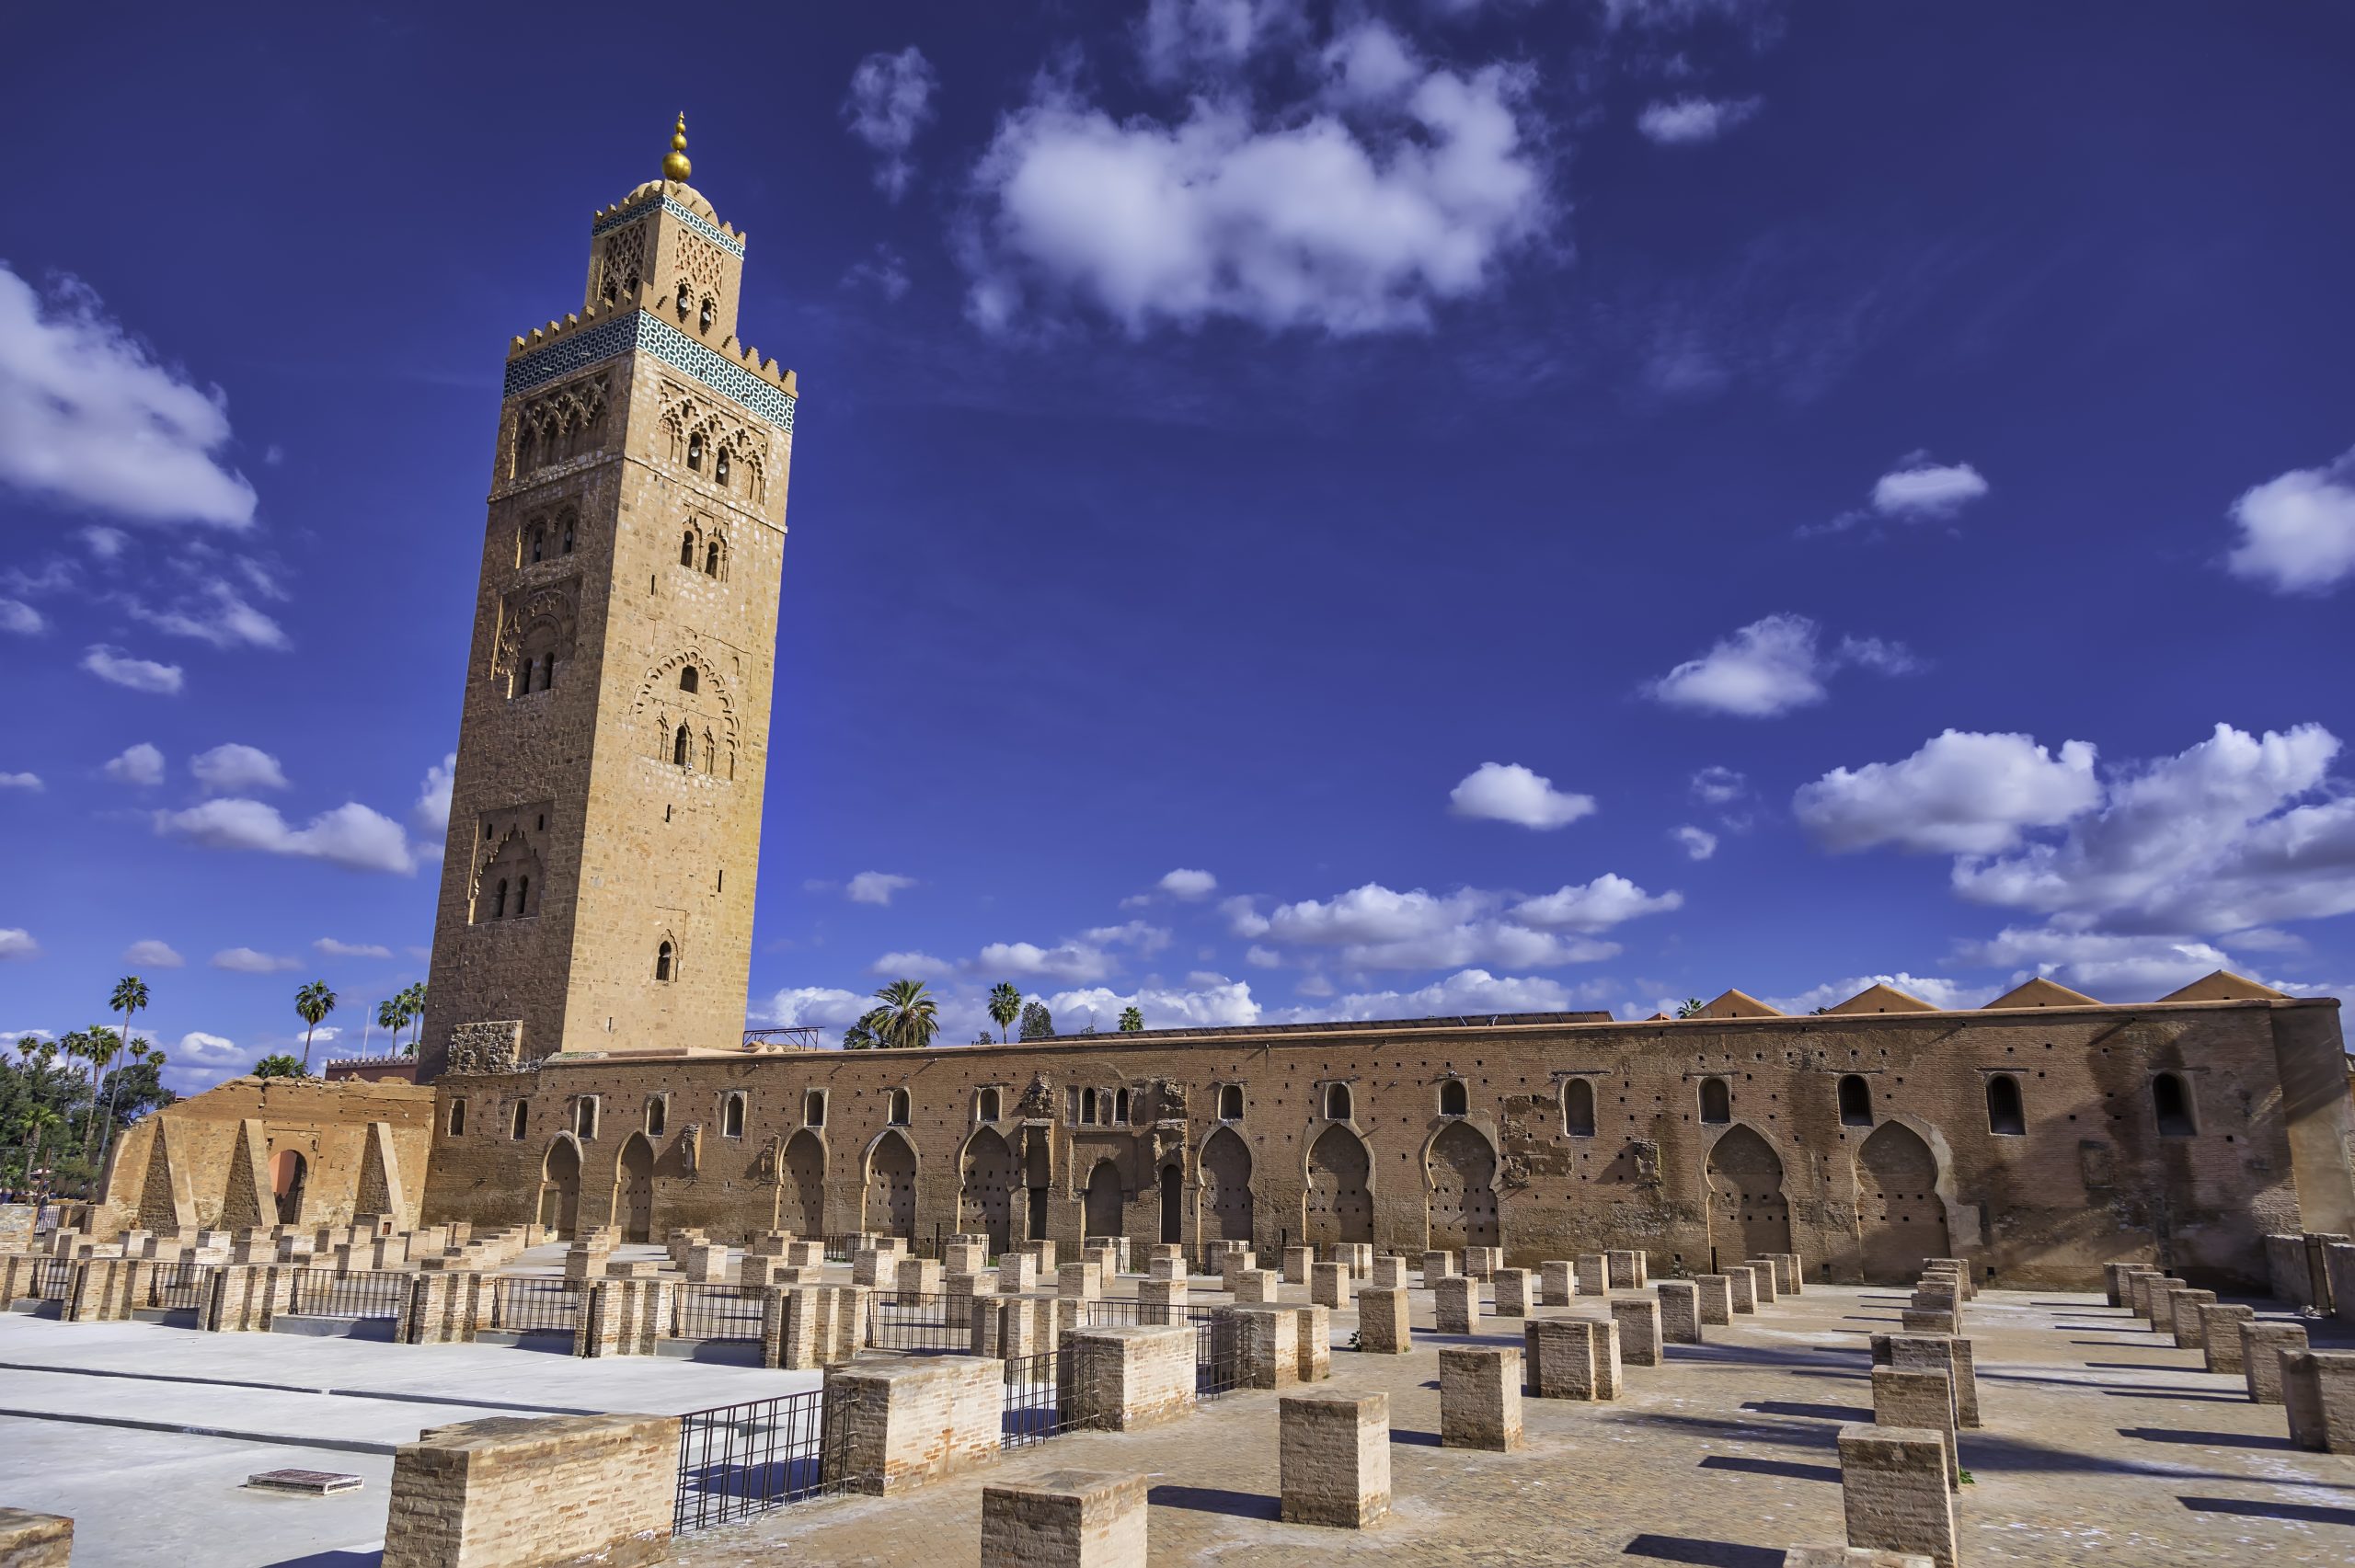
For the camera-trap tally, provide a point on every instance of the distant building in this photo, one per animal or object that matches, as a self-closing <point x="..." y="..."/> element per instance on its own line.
<point x="371" y="1069"/>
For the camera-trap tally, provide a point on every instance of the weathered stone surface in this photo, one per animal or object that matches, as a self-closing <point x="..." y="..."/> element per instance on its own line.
<point x="1065" y="1519"/>
<point x="1479" y="1399"/>
<point x="517" y="1493"/>
<point x="1335" y="1464"/>
<point x="1895" y="1492"/>
<point x="903" y="1422"/>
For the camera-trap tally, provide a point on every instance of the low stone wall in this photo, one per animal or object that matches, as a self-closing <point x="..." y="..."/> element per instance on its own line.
<point x="513" y="1493"/>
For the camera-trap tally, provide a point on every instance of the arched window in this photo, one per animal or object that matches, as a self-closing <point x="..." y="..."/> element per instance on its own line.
<point x="1337" y="1102"/>
<point x="547" y="672"/>
<point x="1121" y="1108"/>
<point x="522" y="895"/>
<point x="1856" y="1100"/>
<point x="1087" y="1107"/>
<point x="1716" y="1101"/>
<point x="679" y="748"/>
<point x="526" y="438"/>
<point x="1578" y="1108"/>
<point x="687" y="548"/>
<point x="498" y="903"/>
<point x="658" y="1114"/>
<point x="695" y="457"/>
<point x="898" y="1107"/>
<point x="1230" y="1103"/>
<point x="813" y="1108"/>
<point x="662" y="962"/>
<point x="2173" y="1104"/>
<point x="719" y="466"/>
<point x="731" y="1116"/>
<point x="1454" y="1100"/>
<point x="989" y="1107"/>
<point x="539" y="544"/>
<point x="711" y="560"/>
<point x="569" y="528"/>
<point x="2004" y="1114"/>
<point x="584" y="1117"/>
<point x="690" y="679"/>
<point x="684" y="300"/>
<point x="520" y="1122"/>
<point x="457" y="1119"/>
<point x="708" y="314"/>
<point x="710" y="753"/>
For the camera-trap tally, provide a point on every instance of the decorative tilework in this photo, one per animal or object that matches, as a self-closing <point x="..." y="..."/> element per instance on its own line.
<point x="640" y="329"/>
<point x="685" y="214"/>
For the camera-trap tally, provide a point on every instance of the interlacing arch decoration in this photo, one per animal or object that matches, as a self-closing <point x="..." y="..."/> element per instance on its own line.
<point x="506" y="878"/>
<point x="713" y="444"/>
<point x="703" y="547"/>
<point x="621" y="264"/>
<point x="537" y="631"/>
<point x="705" y="713"/>
<point x="560" y="425"/>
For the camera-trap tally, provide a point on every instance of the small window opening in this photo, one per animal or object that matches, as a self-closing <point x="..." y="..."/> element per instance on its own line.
<point x="2173" y="1107"/>
<point x="898" y="1107"/>
<point x="686" y="301"/>
<point x="584" y="1117"/>
<point x="1230" y="1103"/>
<point x="989" y="1107"/>
<point x="731" y="1116"/>
<point x="689" y="680"/>
<point x="520" y="1123"/>
<point x="695" y="452"/>
<point x="662" y="962"/>
<point x="813" y="1108"/>
<point x="2004" y="1114"/>
<point x="711" y="561"/>
<point x="457" y="1119"/>
<point x="1578" y="1108"/>
<point x="1454" y="1100"/>
<point x="499" y="901"/>
<point x="1337" y="1102"/>
<point x="719" y="466"/>
<point x="1856" y="1100"/>
<point x="679" y="748"/>
<point x="704" y="318"/>
<point x="522" y="895"/>
<point x="657" y="1113"/>
<point x="1121" y="1108"/>
<point x="1087" y="1106"/>
<point x="569" y="527"/>
<point x="1716" y="1101"/>
<point x="687" y="540"/>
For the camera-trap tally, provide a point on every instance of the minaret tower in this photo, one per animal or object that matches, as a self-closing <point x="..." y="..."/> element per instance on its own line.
<point x="605" y="819"/>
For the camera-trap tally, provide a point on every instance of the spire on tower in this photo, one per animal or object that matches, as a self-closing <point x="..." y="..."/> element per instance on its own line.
<point x="675" y="166"/>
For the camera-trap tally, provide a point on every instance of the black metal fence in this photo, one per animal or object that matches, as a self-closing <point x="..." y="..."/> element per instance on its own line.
<point x="177" y="1284"/>
<point x="1127" y="1311"/>
<point x="526" y="1305"/>
<point x="920" y="1321"/>
<point x="741" y="1459"/>
<point x="53" y="1279"/>
<point x="1218" y="1353"/>
<point x="840" y="1248"/>
<point x="323" y="1293"/>
<point x="716" y="1311"/>
<point x="1037" y="1397"/>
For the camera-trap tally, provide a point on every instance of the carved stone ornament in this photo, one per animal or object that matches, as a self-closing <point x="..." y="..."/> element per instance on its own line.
<point x="1038" y="1099"/>
<point x="1173" y="1100"/>
<point x="1514" y="1173"/>
<point x="488" y="1047"/>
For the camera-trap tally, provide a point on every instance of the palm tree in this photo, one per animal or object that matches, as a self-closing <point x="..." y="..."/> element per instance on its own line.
<point x="392" y="1014"/>
<point x="860" y="1036"/>
<point x="278" y="1066"/>
<point x="1690" y="1007"/>
<point x="413" y="1012"/>
<point x="1006" y="1006"/>
<point x="911" y="1016"/>
<point x="312" y="1004"/>
<point x="1131" y="1020"/>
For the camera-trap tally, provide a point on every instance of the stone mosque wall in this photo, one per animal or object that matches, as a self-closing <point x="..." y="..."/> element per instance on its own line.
<point x="2039" y="1143"/>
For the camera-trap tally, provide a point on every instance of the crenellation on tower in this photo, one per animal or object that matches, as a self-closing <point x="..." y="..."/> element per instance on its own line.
<point x="613" y="742"/>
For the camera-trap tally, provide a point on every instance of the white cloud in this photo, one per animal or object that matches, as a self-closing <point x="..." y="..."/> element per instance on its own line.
<point x="87" y="417"/>
<point x="153" y="955"/>
<point x="140" y="764"/>
<point x="1608" y="900"/>
<point x="1374" y="927"/>
<point x="1369" y="63"/>
<point x="29" y="782"/>
<point x="15" y="941"/>
<point x="1260" y="957"/>
<point x="327" y="946"/>
<point x="875" y="887"/>
<point x="1305" y="220"/>
<point x="2298" y="530"/>
<point x="886" y="271"/>
<point x="1927" y="489"/>
<point x="1961" y="794"/>
<point x="1183" y="38"/>
<point x="890" y="101"/>
<point x="824" y="1005"/>
<point x="1689" y="120"/>
<point x="2111" y="967"/>
<point x="1073" y="962"/>
<point x="218" y="614"/>
<point x="104" y="543"/>
<point x="1206" y="1001"/>
<point x="1770" y="666"/>
<point x="249" y="961"/>
<point x="1715" y="786"/>
<point x="1507" y="792"/>
<point x="17" y="616"/>
<point x="912" y="966"/>
<point x="1467" y="992"/>
<point x="431" y="812"/>
<point x="1698" y="843"/>
<point x="139" y="674"/>
<point x="2236" y="831"/>
<point x="1949" y="995"/>
<point x="1140" y="934"/>
<point x="232" y="769"/>
<point x="351" y="835"/>
<point x="1242" y="917"/>
<point x="1185" y="883"/>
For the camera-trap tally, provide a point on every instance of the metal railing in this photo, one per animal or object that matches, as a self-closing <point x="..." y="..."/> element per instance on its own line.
<point x="524" y="1305"/>
<point x="740" y="1459"/>
<point x="839" y="1248"/>
<point x="53" y="1280"/>
<point x="1037" y="1399"/>
<point x="179" y="1285"/>
<point x="716" y="1311"/>
<point x="1127" y="1311"/>
<point x="323" y="1293"/>
<point x="920" y="1321"/>
<point x="1218" y="1353"/>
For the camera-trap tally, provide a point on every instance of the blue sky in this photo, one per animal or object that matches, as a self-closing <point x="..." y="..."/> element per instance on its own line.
<point x="1299" y="511"/>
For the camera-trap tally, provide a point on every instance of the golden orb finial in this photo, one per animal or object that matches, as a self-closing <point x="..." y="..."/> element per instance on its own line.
<point x="675" y="166"/>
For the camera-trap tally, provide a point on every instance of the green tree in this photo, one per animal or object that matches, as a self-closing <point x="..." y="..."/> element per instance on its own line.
<point x="1037" y="1023"/>
<point x="279" y="1066"/>
<point x="413" y="998"/>
<point x="129" y="996"/>
<point x="1131" y="1020"/>
<point x="1006" y="1006"/>
<point x="983" y="1038"/>
<point x="911" y="1016"/>
<point x="862" y="1035"/>
<point x="1690" y="1007"/>
<point x="96" y="1046"/>
<point x="311" y="1005"/>
<point x="392" y="1017"/>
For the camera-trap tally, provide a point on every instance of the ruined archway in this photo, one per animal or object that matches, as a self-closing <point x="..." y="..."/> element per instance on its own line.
<point x="1339" y="1206"/>
<point x="891" y="1187"/>
<point x="1102" y="1205"/>
<point x="1226" y="1173"/>
<point x="288" y="1173"/>
<point x="1038" y="1173"/>
<point x="986" y="1204"/>
<point x="1462" y="1193"/>
<point x="634" y="1189"/>
<point x="1749" y="1216"/>
<point x="805" y="1185"/>
<point x="560" y="1188"/>
<point x="1173" y="1204"/>
<point x="1901" y="1218"/>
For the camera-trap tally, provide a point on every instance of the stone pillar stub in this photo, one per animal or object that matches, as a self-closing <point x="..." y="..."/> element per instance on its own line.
<point x="1335" y="1464"/>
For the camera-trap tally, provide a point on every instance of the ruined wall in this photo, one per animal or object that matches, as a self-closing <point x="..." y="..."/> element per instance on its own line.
<point x="2091" y="1177"/>
<point x="207" y="1162"/>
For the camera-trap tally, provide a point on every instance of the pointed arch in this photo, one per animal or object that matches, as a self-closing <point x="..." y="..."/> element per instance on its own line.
<point x="1338" y="1206"/>
<point x="1102" y="1205"/>
<point x="1225" y="1164"/>
<point x="1460" y="1176"/>
<point x="804" y="1184"/>
<point x="561" y="1187"/>
<point x="891" y="1205"/>
<point x="1749" y="1216"/>
<point x="985" y="1195"/>
<point x="1900" y="1216"/>
<point x="634" y="1188"/>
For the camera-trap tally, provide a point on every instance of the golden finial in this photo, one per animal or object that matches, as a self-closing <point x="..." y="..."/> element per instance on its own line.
<point x="677" y="166"/>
